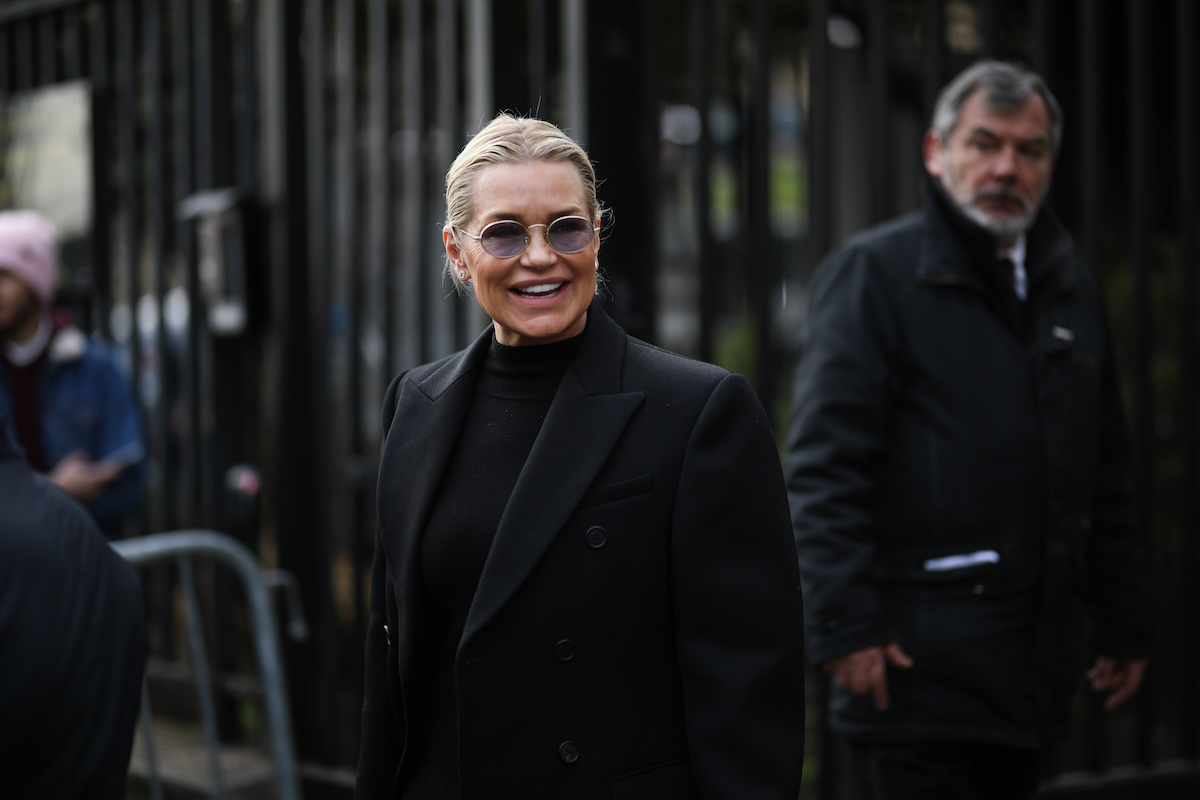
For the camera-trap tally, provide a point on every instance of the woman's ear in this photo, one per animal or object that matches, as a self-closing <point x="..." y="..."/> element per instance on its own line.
<point x="453" y="252"/>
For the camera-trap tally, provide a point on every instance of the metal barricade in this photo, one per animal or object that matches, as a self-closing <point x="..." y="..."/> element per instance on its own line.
<point x="184" y="547"/>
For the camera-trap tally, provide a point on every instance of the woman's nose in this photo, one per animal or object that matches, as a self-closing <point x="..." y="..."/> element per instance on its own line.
<point x="538" y="251"/>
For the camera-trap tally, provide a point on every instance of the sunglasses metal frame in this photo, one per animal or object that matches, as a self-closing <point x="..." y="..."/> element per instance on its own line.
<point x="527" y="228"/>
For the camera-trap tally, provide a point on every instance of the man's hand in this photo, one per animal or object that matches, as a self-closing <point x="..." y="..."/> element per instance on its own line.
<point x="865" y="671"/>
<point x="1120" y="677"/>
<point x="82" y="478"/>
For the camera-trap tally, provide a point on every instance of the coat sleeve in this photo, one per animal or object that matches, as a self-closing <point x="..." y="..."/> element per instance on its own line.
<point x="380" y="745"/>
<point x="1117" y="594"/>
<point x="845" y="388"/>
<point x="119" y="434"/>
<point x="738" y="607"/>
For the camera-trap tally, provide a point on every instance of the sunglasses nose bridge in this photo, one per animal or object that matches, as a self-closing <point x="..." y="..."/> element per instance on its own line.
<point x="545" y="236"/>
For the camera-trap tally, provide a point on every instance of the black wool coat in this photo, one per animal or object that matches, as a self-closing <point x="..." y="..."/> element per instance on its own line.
<point x="636" y="632"/>
<point x="935" y="416"/>
<point x="72" y="644"/>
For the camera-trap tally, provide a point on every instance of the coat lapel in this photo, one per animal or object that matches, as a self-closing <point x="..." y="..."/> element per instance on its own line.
<point x="428" y="417"/>
<point x="584" y="423"/>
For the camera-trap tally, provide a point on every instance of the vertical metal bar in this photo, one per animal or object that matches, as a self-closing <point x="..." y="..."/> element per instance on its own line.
<point x="758" y="197"/>
<point x="204" y="687"/>
<point x="410" y="348"/>
<point x="325" y="242"/>
<point x="538" y="59"/>
<point x="245" y="168"/>
<point x="877" y="58"/>
<point x="184" y="136"/>
<point x="347" y="287"/>
<point x="317" y="164"/>
<point x="1039" y="36"/>
<point x="377" y="266"/>
<point x="1187" y="90"/>
<point x="160" y="431"/>
<point x="575" y="55"/>
<point x="130" y="148"/>
<point x="6" y="53"/>
<point x="479" y="63"/>
<point x="932" y="26"/>
<point x="101" y="170"/>
<point x="1096" y="725"/>
<point x="72" y="23"/>
<point x="23" y="42"/>
<point x="702" y="72"/>
<point x="819" y="202"/>
<point x="1142" y="315"/>
<point x="47" y="45"/>
<point x="989" y="27"/>
<point x="819" y="195"/>
<point x="152" y="770"/>
<point x="300" y="537"/>
<point x="203" y="88"/>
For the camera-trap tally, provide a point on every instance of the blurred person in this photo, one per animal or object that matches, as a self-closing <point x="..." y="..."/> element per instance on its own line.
<point x="958" y="467"/>
<point x="72" y="644"/>
<point x="585" y="583"/>
<point x="73" y="412"/>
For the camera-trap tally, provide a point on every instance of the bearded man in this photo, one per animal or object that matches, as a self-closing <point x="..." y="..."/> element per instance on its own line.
<point x="73" y="413"/>
<point x="957" y="468"/>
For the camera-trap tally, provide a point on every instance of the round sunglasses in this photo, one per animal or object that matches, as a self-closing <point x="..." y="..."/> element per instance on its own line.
<point x="507" y="238"/>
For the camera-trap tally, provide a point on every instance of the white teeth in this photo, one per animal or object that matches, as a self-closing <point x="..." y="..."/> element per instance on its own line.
<point x="541" y="288"/>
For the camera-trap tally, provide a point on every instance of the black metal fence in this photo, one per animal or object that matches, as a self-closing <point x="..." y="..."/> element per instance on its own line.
<point x="265" y="238"/>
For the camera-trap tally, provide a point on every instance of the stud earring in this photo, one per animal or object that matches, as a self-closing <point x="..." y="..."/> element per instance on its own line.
<point x="462" y="274"/>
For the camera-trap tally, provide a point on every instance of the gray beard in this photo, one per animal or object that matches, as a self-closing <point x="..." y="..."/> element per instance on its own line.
<point x="1008" y="228"/>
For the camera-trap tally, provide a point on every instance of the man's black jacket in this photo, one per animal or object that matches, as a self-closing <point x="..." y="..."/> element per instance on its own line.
<point x="72" y="644"/>
<point x="938" y="416"/>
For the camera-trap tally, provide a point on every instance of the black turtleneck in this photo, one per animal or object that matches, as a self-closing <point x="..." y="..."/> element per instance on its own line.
<point x="515" y="388"/>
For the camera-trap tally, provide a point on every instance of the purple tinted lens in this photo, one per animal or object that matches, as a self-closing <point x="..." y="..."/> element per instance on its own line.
<point x="570" y="234"/>
<point x="503" y="239"/>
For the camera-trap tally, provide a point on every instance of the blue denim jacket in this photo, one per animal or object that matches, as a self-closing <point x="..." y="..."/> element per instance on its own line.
<point x="88" y="405"/>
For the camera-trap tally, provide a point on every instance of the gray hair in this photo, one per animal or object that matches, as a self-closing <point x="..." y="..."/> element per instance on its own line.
<point x="508" y="139"/>
<point x="1007" y="86"/>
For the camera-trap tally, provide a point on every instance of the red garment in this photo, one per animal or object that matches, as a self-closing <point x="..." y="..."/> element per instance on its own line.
<point x="26" y="385"/>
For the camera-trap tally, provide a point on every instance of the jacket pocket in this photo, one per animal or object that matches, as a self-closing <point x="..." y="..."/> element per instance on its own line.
<point x="670" y="781"/>
<point x="621" y="490"/>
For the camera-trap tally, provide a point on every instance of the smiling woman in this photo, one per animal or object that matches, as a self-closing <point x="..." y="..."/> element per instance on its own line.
<point x="585" y="582"/>
<point x="538" y="293"/>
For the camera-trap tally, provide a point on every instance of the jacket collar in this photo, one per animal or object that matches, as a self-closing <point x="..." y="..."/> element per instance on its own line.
<point x="586" y="419"/>
<point x="955" y="249"/>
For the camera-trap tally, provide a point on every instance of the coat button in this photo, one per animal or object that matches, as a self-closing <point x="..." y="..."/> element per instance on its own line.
<point x="596" y="536"/>
<point x="564" y="650"/>
<point x="568" y="752"/>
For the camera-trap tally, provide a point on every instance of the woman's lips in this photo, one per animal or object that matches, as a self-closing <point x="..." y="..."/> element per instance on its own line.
<point x="539" y="290"/>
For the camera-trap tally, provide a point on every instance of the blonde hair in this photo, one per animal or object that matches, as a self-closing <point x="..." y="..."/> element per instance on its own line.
<point x="510" y="140"/>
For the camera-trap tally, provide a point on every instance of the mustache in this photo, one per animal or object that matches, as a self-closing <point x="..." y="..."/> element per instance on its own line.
<point x="1002" y="193"/>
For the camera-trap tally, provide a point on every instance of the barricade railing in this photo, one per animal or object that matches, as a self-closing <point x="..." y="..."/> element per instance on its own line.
<point x="184" y="547"/>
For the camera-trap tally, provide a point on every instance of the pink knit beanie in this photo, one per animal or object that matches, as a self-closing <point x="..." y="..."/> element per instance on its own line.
<point x="28" y="249"/>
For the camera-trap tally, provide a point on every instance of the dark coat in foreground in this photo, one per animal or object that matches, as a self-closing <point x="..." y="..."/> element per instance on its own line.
<point x="648" y="528"/>
<point x="72" y="644"/>
<point x="938" y="417"/>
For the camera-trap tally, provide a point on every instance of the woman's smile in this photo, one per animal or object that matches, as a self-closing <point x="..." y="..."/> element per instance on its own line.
<point x="540" y="295"/>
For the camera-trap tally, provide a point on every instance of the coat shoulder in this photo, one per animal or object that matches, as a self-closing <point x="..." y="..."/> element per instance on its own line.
<point x="648" y="366"/>
<point x="886" y="248"/>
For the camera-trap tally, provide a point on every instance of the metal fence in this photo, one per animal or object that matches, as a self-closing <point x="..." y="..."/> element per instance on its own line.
<point x="264" y="242"/>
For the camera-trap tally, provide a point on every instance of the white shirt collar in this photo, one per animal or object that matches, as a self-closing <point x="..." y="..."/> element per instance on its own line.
<point x="27" y="352"/>
<point x="1016" y="254"/>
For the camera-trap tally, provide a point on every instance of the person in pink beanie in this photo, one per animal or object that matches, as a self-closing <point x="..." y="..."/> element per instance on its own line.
<point x="73" y="413"/>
